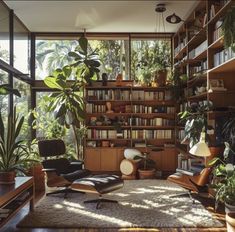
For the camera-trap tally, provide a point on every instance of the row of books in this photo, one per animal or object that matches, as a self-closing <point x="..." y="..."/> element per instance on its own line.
<point x="223" y="56"/>
<point x="180" y="46"/>
<point x="153" y="109"/>
<point x="216" y="6"/>
<point x="218" y="30"/>
<point x="152" y="122"/>
<point x="181" y="134"/>
<point x="152" y="134"/>
<point x="151" y="95"/>
<point x="198" y="68"/>
<point x="198" y="50"/>
<point x="107" y="134"/>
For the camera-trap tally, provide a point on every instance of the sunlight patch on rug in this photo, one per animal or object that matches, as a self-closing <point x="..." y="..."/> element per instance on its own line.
<point x="142" y="203"/>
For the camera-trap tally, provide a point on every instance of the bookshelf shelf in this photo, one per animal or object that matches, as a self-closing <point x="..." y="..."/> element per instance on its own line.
<point x="201" y="56"/>
<point x="227" y="66"/>
<point x="198" y="97"/>
<point x="219" y="43"/>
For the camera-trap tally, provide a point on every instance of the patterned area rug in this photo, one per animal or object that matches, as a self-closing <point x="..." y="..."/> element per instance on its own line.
<point x="142" y="203"/>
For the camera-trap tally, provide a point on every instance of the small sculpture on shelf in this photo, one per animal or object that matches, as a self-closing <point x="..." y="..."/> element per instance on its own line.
<point x="104" y="79"/>
<point x="109" y="107"/>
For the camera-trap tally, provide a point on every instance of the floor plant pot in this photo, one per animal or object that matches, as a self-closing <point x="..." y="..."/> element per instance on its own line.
<point x="230" y="221"/>
<point x="229" y="208"/>
<point x="147" y="174"/>
<point x="7" y="177"/>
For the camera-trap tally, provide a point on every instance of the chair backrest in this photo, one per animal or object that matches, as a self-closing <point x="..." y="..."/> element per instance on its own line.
<point x="52" y="147"/>
<point x="203" y="178"/>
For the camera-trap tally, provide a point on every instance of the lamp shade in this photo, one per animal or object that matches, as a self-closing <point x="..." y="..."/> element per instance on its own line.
<point x="174" y="19"/>
<point x="200" y="149"/>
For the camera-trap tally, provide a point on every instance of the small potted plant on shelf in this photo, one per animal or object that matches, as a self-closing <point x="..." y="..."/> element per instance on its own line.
<point x="147" y="166"/>
<point x="224" y="183"/>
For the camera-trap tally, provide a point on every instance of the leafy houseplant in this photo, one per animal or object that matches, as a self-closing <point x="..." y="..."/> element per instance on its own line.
<point x="228" y="29"/>
<point x="147" y="167"/>
<point x="67" y="101"/>
<point x="195" y="121"/>
<point x="224" y="174"/>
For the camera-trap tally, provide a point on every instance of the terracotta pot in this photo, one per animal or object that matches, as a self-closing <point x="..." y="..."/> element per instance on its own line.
<point x="147" y="174"/>
<point x="161" y="76"/>
<point x="39" y="177"/>
<point x="230" y="221"/>
<point x="7" y="177"/>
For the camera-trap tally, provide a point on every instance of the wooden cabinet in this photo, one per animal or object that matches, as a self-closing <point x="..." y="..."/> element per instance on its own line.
<point x="169" y="162"/>
<point x="103" y="159"/>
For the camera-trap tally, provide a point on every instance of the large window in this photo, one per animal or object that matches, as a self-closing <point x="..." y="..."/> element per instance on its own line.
<point x="148" y="56"/>
<point x="52" y="54"/>
<point x="22" y="106"/>
<point x="4" y="103"/>
<point x="4" y="33"/>
<point x="21" y="47"/>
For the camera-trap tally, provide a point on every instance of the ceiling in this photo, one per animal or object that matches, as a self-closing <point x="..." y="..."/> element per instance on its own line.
<point x="97" y="16"/>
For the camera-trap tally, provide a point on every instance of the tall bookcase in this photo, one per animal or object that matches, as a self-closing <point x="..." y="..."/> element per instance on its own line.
<point x="200" y="54"/>
<point x="128" y="116"/>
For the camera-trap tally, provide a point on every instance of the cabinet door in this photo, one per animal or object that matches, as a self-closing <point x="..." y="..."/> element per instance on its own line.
<point x="92" y="159"/>
<point x="108" y="159"/>
<point x="169" y="159"/>
<point x="157" y="157"/>
<point x="120" y="157"/>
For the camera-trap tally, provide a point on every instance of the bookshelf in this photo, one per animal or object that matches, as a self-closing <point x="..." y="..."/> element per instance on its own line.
<point x="200" y="54"/>
<point x="124" y="116"/>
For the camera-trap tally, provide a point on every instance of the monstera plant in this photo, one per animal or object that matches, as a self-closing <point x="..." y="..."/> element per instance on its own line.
<point x="67" y="101"/>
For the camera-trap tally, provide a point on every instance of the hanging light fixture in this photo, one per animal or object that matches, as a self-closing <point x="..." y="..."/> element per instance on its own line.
<point x="160" y="9"/>
<point x="173" y="19"/>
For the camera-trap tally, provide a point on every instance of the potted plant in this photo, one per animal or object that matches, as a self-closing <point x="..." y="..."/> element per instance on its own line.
<point x="195" y="121"/>
<point x="68" y="102"/>
<point x="228" y="28"/>
<point x="147" y="166"/>
<point x="224" y="183"/>
<point x="13" y="152"/>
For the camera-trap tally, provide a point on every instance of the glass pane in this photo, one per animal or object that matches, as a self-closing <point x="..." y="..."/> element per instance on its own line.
<point x="52" y="54"/>
<point x="114" y="56"/>
<point x="149" y="56"/>
<point x="21" y="47"/>
<point x="4" y="33"/>
<point x="4" y="99"/>
<point x="22" y="106"/>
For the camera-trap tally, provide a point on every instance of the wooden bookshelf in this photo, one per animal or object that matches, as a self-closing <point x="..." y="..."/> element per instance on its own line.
<point x="145" y="118"/>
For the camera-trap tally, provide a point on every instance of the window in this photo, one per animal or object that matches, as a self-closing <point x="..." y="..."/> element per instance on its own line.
<point x="22" y="106"/>
<point x="147" y="56"/>
<point x="4" y="33"/>
<point x="21" y="47"/>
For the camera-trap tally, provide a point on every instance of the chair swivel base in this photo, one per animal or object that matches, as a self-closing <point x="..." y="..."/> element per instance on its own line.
<point x="187" y="194"/>
<point x="98" y="201"/>
<point x="66" y="191"/>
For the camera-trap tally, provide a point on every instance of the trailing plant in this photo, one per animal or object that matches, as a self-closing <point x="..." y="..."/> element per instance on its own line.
<point x="224" y="178"/>
<point x="68" y="102"/>
<point x="228" y="29"/>
<point x="195" y="121"/>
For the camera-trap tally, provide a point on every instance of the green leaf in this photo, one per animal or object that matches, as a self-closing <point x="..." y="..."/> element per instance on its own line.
<point x="83" y="44"/>
<point x="62" y="111"/>
<point x="52" y="83"/>
<point x="67" y="70"/>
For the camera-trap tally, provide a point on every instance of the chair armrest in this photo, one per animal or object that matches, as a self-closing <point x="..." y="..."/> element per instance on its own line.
<point x="75" y="165"/>
<point x="49" y="170"/>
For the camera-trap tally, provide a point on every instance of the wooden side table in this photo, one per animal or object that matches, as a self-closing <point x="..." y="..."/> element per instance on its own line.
<point x="14" y="197"/>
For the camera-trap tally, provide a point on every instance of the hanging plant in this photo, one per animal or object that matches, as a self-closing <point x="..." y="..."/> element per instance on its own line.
<point x="228" y="29"/>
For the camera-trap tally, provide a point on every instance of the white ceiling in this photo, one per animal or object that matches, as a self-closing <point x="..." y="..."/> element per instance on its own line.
<point x="97" y="16"/>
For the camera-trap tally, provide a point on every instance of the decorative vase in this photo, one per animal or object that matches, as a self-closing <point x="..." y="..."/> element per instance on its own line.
<point x="7" y="177"/>
<point x="230" y="221"/>
<point x="161" y="76"/>
<point x="147" y="174"/>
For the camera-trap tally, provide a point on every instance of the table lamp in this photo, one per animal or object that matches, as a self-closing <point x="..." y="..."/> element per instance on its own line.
<point x="201" y="148"/>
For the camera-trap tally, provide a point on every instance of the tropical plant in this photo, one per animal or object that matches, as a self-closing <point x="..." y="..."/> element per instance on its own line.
<point x="224" y="178"/>
<point x="228" y="29"/>
<point x="6" y="89"/>
<point x="68" y="102"/>
<point x="13" y="152"/>
<point x="195" y="121"/>
<point x="147" y="163"/>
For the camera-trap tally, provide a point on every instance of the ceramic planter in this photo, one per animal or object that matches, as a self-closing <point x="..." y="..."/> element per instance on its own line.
<point x="147" y="174"/>
<point x="230" y="221"/>
<point x="7" y="177"/>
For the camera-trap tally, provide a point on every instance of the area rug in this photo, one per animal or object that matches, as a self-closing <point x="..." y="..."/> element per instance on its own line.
<point x="142" y="203"/>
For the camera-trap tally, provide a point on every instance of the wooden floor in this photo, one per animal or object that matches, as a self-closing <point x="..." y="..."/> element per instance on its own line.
<point x="208" y="203"/>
